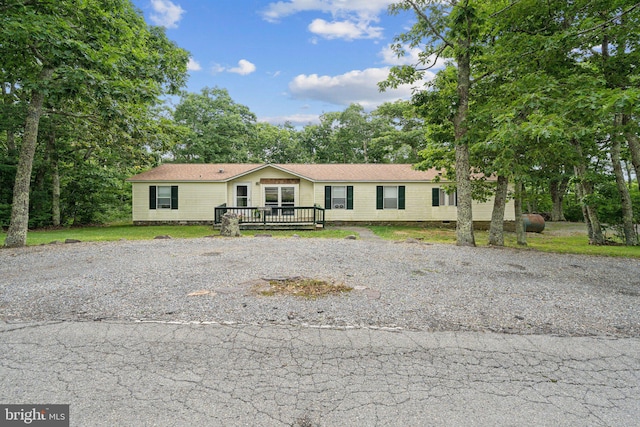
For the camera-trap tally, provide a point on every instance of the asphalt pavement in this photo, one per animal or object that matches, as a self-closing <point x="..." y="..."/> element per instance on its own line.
<point x="188" y="374"/>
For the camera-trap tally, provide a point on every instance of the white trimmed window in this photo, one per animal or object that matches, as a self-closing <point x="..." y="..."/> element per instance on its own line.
<point x="163" y="197"/>
<point x="390" y="197"/>
<point x="280" y="196"/>
<point x="338" y="197"/>
<point x="440" y="197"/>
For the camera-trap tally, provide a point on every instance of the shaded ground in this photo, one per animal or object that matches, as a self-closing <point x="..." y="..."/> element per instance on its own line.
<point x="565" y="228"/>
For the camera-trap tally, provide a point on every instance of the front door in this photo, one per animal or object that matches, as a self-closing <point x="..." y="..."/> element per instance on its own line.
<point x="243" y="195"/>
<point x="279" y="198"/>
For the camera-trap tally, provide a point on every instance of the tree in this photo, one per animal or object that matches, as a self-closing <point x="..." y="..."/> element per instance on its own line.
<point x="447" y="28"/>
<point x="98" y="49"/>
<point x="278" y="144"/>
<point x="401" y="133"/>
<point x="618" y="69"/>
<point x="219" y="129"/>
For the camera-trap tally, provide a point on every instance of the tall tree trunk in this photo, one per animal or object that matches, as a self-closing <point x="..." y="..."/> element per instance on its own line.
<point x="630" y="237"/>
<point x="585" y="212"/>
<point x="464" y="224"/>
<point x="558" y="189"/>
<point x="17" y="234"/>
<point x="521" y="234"/>
<point x="55" y="179"/>
<point x="596" y="238"/>
<point x="634" y="146"/>
<point x="496" y="230"/>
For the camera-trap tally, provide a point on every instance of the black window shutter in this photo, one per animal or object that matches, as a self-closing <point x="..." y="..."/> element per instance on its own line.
<point x="435" y="197"/>
<point x="174" y="197"/>
<point x="401" y="197"/>
<point x="152" y="197"/>
<point x="349" y="196"/>
<point x="327" y="197"/>
<point x="379" y="197"/>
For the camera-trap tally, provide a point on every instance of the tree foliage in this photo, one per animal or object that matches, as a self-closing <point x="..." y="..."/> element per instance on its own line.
<point x="551" y="92"/>
<point x="546" y="99"/>
<point x="95" y="62"/>
<point x="218" y="130"/>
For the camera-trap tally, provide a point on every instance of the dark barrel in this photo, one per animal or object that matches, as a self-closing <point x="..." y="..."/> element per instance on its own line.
<point x="533" y="223"/>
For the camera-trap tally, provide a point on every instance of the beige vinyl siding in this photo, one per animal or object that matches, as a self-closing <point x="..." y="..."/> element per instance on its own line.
<point x="196" y="201"/>
<point x="482" y="211"/>
<point x="364" y="203"/>
<point x="417" y="204"/>
<point x="306" y="193"/>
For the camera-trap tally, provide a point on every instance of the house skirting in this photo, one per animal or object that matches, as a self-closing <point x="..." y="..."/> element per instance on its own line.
<point x="144" y="223"/>
<point x="477" y="225"/>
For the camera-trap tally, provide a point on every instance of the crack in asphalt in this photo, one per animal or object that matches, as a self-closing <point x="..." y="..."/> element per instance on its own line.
<point x="216" y="374"/>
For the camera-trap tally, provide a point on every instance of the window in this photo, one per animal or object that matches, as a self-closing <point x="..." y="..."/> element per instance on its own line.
<point x="390" y="197"/>
<point x="338" y="197"/>
<point x="440" y="197"/>
<point x="163" y="197"/>
<point x="280" y="197"/>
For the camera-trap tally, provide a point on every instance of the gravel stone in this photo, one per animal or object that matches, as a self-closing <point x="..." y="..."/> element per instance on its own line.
<point x="417" y="286"/>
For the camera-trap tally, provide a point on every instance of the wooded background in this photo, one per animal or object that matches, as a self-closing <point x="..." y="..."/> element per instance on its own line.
<point x="544" y="95"/>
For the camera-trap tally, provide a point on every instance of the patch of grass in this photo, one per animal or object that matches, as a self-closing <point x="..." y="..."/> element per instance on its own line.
<point x="572" y="244"/>
<point x="111" y="233"/>
<point x="302" y="287"/>
<point x="556" y="240"/>
<point x="131" y="232"/>
<point x="434" y="235"/>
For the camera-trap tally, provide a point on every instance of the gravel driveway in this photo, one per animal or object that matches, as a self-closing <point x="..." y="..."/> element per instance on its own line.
<point x="405" y="285"/>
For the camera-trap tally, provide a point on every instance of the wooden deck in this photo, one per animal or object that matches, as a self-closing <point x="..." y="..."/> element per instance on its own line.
<point x="274" y="218"/>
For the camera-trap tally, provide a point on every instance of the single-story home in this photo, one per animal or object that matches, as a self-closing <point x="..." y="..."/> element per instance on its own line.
<point x="276" y="193"/>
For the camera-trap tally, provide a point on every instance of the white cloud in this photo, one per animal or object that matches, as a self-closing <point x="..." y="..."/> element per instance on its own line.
<point x="348" y="30"/>
<point x="352" y="19"/>
<point x="364" y="9"/>
<point x="358" y="86"/>
<point x="411" y="57"/>
<point x="217" y="68"/>
<point x="166" y="13"/>
<point x="244" y="67"/>
<point x="193" y="65"/>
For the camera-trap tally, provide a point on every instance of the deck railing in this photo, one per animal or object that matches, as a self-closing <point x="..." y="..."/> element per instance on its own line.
<point x="273" y="215"/>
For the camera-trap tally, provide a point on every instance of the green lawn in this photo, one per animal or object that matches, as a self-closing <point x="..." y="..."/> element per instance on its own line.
<point x="131" y="232"/>
<point x="558" y="238"/>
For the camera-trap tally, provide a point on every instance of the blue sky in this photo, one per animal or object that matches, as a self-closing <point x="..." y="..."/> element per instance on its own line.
<point x="288" y="60"/>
